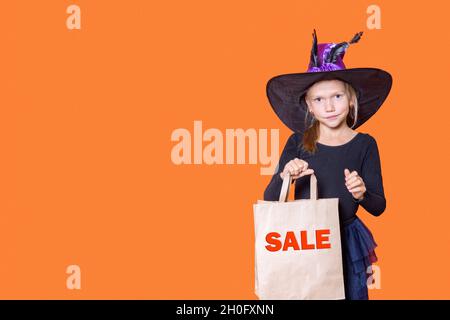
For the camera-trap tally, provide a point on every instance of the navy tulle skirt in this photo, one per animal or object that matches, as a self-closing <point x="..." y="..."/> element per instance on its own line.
<point x="358" y="251"/>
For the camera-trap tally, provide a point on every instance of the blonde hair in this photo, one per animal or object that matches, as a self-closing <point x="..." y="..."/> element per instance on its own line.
<point x="312" y="132"/>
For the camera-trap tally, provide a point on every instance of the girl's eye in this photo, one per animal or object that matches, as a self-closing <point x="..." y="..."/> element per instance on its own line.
<point x="338" y="96"/>
<point x="317" y="99"/>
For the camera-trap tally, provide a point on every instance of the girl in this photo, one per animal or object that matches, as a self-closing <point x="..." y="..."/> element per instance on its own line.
<point x="323" y="107"/>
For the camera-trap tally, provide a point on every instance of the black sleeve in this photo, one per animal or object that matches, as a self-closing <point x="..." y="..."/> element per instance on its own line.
<point x="273" y="189"/>
<point x="374" y="201"/>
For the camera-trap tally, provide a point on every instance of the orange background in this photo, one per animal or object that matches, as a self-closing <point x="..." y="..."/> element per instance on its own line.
<point x="86" y="117"/>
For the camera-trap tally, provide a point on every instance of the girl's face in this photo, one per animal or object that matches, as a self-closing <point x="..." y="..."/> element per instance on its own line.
<point x="329" y="102"/>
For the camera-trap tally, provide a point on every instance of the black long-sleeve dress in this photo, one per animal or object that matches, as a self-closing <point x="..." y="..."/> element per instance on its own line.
<point x="360" y="154"/>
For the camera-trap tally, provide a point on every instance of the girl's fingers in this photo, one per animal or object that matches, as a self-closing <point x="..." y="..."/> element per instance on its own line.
<point x="354" y="184"/>
<point x="294" y="172"/>
<point x="291" y="170"/>
<point x="357" y="189"/>
<point x="306" y="172"/>
<point x="351" y="175"/>
<point x="294" y="166"/>
<point x="288" y="168"/>
<point x="298" y="168"/>
<point x="301" y="163"/>
<point x="350" y="181"/>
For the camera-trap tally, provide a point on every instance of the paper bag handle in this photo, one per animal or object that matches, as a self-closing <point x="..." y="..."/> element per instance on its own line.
<point x="284" y="194"/>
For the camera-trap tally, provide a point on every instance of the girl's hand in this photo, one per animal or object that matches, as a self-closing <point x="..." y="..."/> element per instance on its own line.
<point x="355" y="184"/>
<point x="297" y="168"/>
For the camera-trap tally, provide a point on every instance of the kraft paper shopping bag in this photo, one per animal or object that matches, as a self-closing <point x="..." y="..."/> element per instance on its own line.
<point x="298" y="247"/>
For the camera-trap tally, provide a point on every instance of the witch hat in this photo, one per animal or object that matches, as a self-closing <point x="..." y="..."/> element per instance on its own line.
<point x="286" y="92"/>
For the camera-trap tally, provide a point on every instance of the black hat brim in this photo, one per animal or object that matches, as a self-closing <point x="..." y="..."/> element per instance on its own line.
<point x="285" y="93"/>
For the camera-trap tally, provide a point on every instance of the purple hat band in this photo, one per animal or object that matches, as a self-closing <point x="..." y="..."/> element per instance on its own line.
<point x="329" y="56"/>
<point x="323" y="52"/>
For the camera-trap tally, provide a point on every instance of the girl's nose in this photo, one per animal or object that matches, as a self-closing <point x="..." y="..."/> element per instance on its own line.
<point x="329" y="106"/>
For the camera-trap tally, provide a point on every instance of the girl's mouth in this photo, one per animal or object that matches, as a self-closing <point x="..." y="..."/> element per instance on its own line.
<point x="332" y="118"/>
